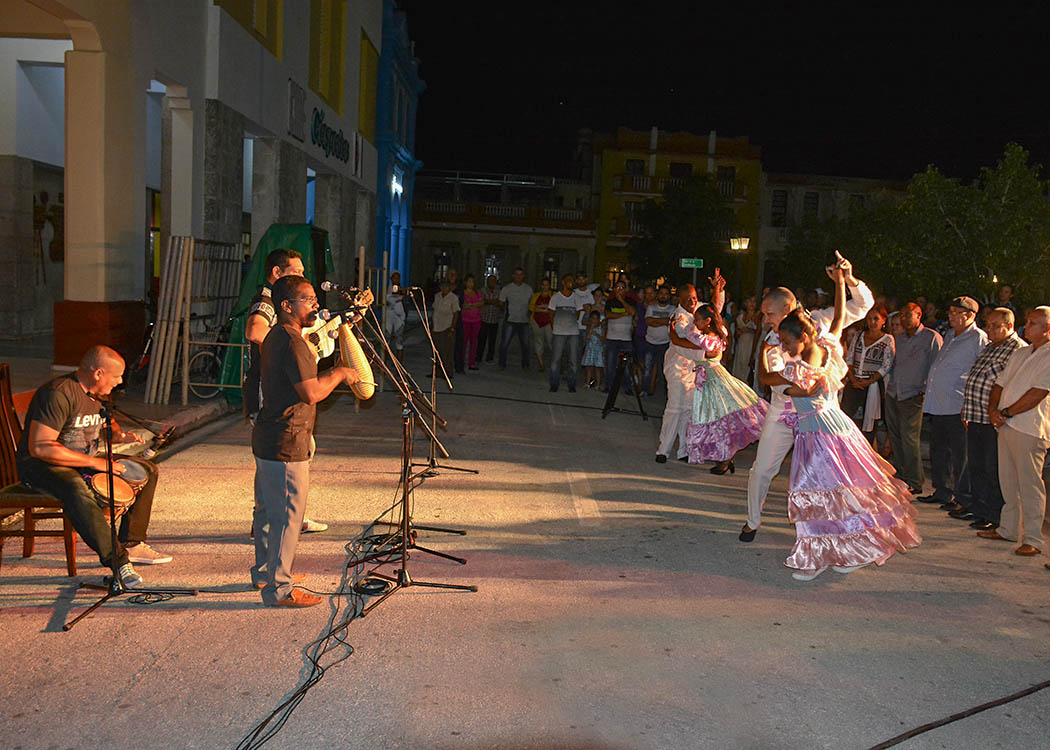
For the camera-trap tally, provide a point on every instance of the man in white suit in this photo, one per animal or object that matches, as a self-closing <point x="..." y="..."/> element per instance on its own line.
<point x="679" y="367"/>
<point x="777" y="439"/>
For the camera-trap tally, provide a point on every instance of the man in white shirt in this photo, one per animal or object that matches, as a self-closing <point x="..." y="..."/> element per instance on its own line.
<point x="679" y="364"/>
<point x="777" y="439"/>
<point x="657" y="337"/>
<point x="564" y="305"/>
<point x="619" y="326"/>
<point x="443" y="324"/>
<point x="1020" y="411"/>
<point x="394" y="315"/>
<point x="515" y="297"/>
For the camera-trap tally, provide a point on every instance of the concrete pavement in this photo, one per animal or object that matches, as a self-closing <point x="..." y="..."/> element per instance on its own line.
<point x="616" y="608"/>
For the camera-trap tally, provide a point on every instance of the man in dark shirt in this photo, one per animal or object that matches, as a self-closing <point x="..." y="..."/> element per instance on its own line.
<point x="58" y="449"/>
<point x="261" y="318"/>
<point x="282" y="440"/>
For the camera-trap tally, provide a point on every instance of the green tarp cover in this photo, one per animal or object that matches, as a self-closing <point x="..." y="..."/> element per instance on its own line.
<point x="298" y="237"/>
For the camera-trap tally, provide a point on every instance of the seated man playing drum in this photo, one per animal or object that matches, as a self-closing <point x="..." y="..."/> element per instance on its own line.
<point x="57" y="455"/>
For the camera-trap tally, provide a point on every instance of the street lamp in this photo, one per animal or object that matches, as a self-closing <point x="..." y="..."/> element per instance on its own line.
<point x="739" y="246"/>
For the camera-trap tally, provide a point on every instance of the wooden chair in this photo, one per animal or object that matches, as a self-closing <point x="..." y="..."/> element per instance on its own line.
<point x="35" y="505"/>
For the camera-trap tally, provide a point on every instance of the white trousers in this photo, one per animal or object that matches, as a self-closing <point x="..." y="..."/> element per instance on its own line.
<point x="774" y="444"/>
<point x="681" y="382"/>
<point x="1021" y="458"/>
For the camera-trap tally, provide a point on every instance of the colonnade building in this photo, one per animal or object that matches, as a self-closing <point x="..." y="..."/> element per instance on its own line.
<point x="128" y="121"/>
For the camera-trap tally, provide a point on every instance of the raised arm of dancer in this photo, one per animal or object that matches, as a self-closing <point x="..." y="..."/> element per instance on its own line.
<point x="838" y="275"/>
<point x="718" y="288"/>
<point x="858" y="306"/>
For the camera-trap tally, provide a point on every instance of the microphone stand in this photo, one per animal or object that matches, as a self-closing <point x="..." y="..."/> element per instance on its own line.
<point x="397" y="545"/>
<point x="409" y="391"/>
<point x="432" y="464"/>
<point x="112" y="584"/>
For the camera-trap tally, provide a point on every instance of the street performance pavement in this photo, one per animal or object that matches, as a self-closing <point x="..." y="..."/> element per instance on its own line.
<point x="616" y="608"/>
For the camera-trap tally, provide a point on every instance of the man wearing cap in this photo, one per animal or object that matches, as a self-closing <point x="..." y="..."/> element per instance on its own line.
<point x="944" y="401"/>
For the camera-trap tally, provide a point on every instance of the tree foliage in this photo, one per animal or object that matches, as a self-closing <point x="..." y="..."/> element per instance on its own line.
<point x="691" y="221"/>
<point x="944" y="239"/>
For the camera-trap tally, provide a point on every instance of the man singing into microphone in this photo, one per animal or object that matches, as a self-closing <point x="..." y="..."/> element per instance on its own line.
<point x="59" y="446"/>
<point x="261" y="318"/>
<point x="282" y="440"/>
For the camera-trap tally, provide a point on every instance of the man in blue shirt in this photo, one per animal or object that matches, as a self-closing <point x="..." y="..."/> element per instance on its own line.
<point x="916" y="349"/>
<point x="944" y="401"/>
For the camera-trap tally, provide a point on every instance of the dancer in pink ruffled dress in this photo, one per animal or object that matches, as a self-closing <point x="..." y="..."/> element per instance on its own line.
<point x="726" y="415"/>
<point x="848" y="508"/>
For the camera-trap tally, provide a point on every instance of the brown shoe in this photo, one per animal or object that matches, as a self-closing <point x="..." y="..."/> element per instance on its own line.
<point x="298" y="598"/>
<point x="991" y="534"/>
<point x="296" y="578"/>
<point x="1026" y="550"/>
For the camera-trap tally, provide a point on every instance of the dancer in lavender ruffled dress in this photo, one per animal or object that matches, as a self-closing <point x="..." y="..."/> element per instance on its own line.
<point x="848" y="508"/>
<point x="727" y="415"/>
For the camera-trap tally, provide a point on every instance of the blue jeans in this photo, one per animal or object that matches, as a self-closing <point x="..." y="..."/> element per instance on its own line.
<point x="612" y="358"/>
<point x="560" y="342"/>
<point x="521" y="330"/>
<point x="653" y="357"/>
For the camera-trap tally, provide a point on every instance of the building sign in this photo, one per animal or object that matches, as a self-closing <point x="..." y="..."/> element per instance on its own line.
<point x="296" y="111"/>
<point x="332" y="142"/>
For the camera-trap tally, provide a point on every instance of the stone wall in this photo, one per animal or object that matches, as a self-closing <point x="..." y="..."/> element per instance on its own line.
<point x="278" y="185"/>
<point x="31" y="251"/>
<point x="223" y="172"/>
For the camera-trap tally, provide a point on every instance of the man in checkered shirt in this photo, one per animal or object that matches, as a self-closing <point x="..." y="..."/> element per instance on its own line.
<point x="983" y="505"/>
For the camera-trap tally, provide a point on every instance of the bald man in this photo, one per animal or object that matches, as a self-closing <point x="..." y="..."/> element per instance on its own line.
<point x="777" y="439"/>
<point x="60" y="445"/>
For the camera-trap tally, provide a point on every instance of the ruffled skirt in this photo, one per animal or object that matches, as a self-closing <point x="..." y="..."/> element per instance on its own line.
<point x="727" y="416"/>
<point x="847" y="506"/>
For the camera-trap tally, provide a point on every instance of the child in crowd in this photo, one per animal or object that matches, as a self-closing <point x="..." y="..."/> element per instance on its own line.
<point x="594" y="354"/>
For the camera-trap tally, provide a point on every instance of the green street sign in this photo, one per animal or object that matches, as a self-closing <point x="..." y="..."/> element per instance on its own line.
<point x="692" y="262"/>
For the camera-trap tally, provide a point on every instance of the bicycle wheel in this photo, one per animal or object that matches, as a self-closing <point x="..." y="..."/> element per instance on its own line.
<point x="204" y="374"/>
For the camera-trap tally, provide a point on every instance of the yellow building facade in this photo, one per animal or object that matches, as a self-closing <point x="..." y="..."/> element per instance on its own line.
<point x="632" y="166"/>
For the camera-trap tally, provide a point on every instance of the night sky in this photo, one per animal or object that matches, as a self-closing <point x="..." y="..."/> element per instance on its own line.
<point x="856" y="91"/>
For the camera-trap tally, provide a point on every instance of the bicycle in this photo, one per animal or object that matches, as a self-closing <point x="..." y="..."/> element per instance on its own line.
<point x="205" y="364"/>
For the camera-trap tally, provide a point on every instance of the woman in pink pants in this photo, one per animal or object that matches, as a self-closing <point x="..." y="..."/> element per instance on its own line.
<point x="471" y="318"/>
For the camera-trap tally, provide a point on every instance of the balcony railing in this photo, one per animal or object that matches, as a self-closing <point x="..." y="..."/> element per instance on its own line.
<point x="505" y="213"/>
<point x="444" y="207"/>
<point x="625" y="226"/>
<point x="644" y="184"/>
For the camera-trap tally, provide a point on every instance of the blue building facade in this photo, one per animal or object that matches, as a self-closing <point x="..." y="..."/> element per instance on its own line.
<point x="399" y="87"/>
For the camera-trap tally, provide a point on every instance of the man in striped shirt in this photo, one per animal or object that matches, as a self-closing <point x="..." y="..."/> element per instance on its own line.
<point x="985" y="501"/>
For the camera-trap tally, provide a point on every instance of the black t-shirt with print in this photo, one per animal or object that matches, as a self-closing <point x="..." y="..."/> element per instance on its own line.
<point x="63" y="405"/>
<point x="285" y="423"/>
<point x="261" y="305"/>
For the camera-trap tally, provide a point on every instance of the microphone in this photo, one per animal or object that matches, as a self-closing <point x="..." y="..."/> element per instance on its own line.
<point x="397" y="289"/>
<point x="330" y="286"/>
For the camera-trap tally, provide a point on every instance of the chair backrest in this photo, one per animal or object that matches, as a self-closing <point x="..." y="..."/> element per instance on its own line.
<point x="9" y="428"/>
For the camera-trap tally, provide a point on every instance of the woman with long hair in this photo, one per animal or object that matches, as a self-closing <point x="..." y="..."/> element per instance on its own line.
<point x="848" y="508"/>
<point x="727" y="415"/>
<point x="869" y="359"/>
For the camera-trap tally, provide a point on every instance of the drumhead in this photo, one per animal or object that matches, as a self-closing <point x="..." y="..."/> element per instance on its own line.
<point x="122" y="491"/>
<point x="133" y="471"/>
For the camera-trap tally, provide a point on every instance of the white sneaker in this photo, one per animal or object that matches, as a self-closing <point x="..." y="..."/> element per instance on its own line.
<point x="128" y="577"/>
<point x="807" y="575"/>
<point x="143" y="554"/>
<point x="310" y="526"/>
<point x="847" y="568"/>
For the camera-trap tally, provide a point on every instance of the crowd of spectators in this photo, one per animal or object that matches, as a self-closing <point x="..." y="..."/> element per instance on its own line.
<point x="914" y="370"/>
